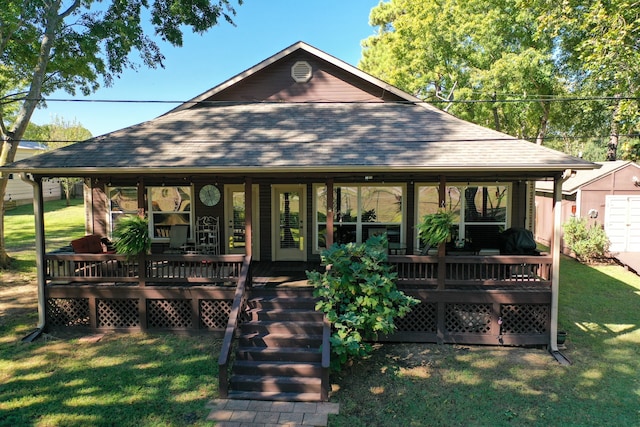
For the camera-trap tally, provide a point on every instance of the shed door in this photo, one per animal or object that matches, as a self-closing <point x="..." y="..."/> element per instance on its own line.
<point x="622" y="223"/>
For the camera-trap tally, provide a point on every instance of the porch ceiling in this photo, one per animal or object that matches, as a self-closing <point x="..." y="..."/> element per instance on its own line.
<point x="257" y="138"/>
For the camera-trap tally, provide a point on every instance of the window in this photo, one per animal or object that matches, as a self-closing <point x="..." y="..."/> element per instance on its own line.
<point x="360" y="211"/>
<point x="168" y="206"/>
<point x="123" y="201"/>
<point x="481" y="211"/>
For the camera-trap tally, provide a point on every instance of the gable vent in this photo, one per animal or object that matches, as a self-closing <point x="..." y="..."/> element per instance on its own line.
<point x="301" y="72"/>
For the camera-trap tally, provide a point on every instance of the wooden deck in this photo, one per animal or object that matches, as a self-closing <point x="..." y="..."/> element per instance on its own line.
<point x="499" y="300"/>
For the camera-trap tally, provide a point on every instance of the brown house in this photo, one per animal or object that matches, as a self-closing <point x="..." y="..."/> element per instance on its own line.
<point x="268" y="168"/>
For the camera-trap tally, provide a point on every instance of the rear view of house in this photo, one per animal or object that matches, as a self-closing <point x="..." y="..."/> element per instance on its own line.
<point x="276" y="164"/>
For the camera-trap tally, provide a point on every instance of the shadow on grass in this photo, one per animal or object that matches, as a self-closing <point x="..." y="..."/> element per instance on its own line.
<point x="448" y="385"/>
<point x="123" y="380"/>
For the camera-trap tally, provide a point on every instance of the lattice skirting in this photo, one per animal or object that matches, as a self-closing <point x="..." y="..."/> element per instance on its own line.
<point x="125" y="313"/>
<point x="67" y="312"/>
<point x="475" y="323"/>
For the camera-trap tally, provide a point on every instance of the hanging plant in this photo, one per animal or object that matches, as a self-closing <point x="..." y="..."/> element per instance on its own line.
<point x="436" y="228"/>
<point x="131" y="236"/>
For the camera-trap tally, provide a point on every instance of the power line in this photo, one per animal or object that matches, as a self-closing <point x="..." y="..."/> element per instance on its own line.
<point x="416" y="141"/>
<point x="545" y="98"/>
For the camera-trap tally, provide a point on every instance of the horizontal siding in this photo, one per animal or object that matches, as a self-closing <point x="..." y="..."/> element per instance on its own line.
<point x="328" y="84"/>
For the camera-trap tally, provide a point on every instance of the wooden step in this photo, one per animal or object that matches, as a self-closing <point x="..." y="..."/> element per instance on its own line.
<point x="274" y="303"/>
<point x="280" y="293"/>
<point x="285" y="384"/>
<point x="286" y="314"/>
<point x="275" y="396"/>
<point x="282" y="354"/>
<point x="294" y="328"/>
<point x="253" y="367"/>
<point x="256" y="339"/>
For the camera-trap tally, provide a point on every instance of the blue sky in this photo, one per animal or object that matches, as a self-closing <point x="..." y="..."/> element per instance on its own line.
<point x="264" y="27"/>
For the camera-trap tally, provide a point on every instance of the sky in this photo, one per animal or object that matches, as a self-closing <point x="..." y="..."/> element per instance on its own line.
<point x="263" y="28"/>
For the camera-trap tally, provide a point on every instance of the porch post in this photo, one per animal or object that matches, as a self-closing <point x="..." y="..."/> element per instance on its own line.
<point x="442" y="265"/>
<point x="555" y="260"/>
<point x="442" y="248"/>
<point x="329" y="232"/>
<point x="248" y="217"/>
<point x="38" y="214"/>
<point x="141" y="196"/>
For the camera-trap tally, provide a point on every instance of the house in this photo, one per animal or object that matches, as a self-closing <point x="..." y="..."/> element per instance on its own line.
<point x="286" y="158"/>
<point x="19" y="192"/>
<point x="608" y="196"/>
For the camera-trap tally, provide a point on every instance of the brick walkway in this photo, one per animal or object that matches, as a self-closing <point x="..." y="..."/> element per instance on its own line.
<point x="256" y="413"/>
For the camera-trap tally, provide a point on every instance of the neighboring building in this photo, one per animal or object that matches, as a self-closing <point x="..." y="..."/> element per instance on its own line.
<point x="608" y="196"/>
<point x="19" y="192"/>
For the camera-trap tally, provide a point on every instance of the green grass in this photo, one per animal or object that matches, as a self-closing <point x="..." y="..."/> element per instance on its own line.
<point x="434" y="385"/>
<point x="166" y="380"/>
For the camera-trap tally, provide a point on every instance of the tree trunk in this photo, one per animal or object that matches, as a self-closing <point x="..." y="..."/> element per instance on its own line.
<point x="614" y="134"/>
<point x="496" y="117"/>
<point x="544" y="120"/>
<point x="11" y="139"/>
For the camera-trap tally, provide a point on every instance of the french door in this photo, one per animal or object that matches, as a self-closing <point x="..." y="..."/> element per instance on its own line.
<point x="234" y="221"/>
<point x="289" y="235"/>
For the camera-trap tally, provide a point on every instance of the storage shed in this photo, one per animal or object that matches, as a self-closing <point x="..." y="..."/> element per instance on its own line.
<point x="608" y="196"/>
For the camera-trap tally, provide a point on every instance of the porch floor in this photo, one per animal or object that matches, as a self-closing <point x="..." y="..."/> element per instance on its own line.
<point x="288" y="274"/>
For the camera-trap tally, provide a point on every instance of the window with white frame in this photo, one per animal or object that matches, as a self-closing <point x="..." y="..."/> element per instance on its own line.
<point x="360" y="211"/>
<point x="168" y="206"/>
<point x="481" y="211"/>
<point x="123" y="201"/>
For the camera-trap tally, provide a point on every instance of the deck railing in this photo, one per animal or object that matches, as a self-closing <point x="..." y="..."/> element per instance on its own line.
<point x="157" y="269"/>
<point x="239" y="301"/>
<point x="497" y="270"/>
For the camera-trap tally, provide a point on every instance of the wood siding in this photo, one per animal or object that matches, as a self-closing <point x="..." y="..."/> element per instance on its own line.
<point x="328" y="84"/>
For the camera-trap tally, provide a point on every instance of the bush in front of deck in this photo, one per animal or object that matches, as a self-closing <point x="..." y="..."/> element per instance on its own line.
<point x="359" y="295"/>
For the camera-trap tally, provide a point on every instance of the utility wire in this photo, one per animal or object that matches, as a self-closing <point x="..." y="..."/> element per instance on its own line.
<point x="433" y="101"/>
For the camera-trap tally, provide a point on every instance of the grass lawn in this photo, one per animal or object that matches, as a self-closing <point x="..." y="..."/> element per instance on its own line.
<point x="167" y="380"/>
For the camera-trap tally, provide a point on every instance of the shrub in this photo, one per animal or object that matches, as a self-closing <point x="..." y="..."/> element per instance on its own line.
<point x="358" y="294"/>
<point x="131" y="236"/>
<point x="589" y="243"/>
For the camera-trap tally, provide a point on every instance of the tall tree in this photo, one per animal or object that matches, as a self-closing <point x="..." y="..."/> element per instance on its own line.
<point x="469" y="50"/>
<point x="46" y="45"/>
<point x="599" y="41"/>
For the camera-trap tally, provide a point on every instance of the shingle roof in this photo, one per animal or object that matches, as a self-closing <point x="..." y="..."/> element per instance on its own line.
<point x="217" y="138"/>
<point x="574" y="183"/>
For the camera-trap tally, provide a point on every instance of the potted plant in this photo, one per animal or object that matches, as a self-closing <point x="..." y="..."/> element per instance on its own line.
<point x="131" y="236"/>
<point x="436" y="228"/>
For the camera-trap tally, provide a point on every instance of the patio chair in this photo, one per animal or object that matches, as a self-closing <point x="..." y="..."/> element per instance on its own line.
<point x="178" y="235"/>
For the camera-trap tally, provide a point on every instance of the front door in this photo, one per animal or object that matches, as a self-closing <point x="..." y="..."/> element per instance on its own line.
<point x="234" y="215"/>
<point x="289" y="243"/>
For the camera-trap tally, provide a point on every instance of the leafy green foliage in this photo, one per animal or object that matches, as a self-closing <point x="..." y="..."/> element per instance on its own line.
<point x="131" y="236"/>
<point x="358" y="293"/>
<point x="589" y="243"/>
<point x="435" y="228"/>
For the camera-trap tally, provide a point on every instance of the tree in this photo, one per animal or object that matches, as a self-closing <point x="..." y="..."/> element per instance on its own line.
<point x="600" y="43"/>
<point x="468" y="51"/>
<point x="485" y="54"/>
<point x="47" y="45"/>
<point x="59" y="133"/>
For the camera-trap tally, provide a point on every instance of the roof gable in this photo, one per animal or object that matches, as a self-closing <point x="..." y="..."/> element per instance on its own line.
<point x="586" y="177"/>
<point x="332" y="80"/>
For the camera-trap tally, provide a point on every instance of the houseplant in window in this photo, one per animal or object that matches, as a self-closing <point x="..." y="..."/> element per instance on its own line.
<point x="131" y="236"/>
<point x="436" y="228"/>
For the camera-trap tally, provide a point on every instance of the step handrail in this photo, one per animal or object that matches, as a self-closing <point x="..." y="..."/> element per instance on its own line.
<point x="325" y="385"/>
<point x="239" y="300"/>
